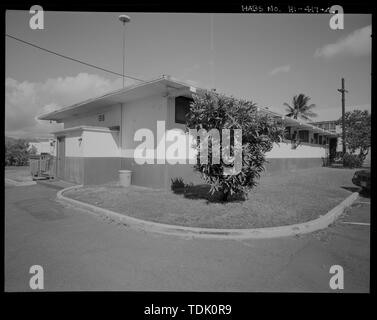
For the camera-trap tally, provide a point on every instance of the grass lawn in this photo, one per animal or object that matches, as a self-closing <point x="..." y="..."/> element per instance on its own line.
<point x="20" y="174"/>
<point x="283" y="199"/>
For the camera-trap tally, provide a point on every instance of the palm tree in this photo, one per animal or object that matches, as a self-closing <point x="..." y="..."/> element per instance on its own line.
<point x="300" y="108"/>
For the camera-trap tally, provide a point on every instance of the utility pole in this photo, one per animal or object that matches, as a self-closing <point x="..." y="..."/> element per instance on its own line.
<point x="124" y="19"/>
<point x="343" y="91"/>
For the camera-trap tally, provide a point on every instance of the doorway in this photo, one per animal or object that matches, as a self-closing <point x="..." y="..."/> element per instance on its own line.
<point x="332" y="149"/>
<point x="60" y="166"/>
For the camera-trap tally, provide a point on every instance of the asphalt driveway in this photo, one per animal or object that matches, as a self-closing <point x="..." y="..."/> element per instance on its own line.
<point x="80" y="251"/>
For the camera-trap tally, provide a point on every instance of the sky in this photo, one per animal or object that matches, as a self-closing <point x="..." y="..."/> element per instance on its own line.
<point x="263" y="58"/>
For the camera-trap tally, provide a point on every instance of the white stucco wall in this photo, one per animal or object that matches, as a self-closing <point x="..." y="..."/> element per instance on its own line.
<point x="112" y="118"/>
<point x="146" y="112"/>
<point x="92" y="143"/>
<point x="100" y="144"/>
<point x="139" y="114"/>
<point x="284" y="150"/>
<point x="73" y="147"/>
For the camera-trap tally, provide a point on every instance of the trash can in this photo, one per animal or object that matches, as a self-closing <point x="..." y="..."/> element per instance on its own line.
<point x="125" y="177"/>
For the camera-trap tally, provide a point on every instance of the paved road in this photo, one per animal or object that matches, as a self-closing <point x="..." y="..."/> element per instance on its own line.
<point x="80" y="251"/>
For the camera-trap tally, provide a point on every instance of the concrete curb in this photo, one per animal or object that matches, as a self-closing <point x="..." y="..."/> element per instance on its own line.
<point x="258" y="233"/>
<point x="18" y="183"/>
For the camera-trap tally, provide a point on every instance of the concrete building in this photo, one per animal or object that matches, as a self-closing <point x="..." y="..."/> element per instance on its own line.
<point x="100" y="136"/>
<point x="330" y="125"/>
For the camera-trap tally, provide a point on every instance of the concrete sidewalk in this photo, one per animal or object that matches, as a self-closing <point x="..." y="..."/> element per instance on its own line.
<point x="18" y="176"/>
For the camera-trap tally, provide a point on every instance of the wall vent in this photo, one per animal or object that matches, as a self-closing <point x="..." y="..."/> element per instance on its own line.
<point x="101" y="117"/>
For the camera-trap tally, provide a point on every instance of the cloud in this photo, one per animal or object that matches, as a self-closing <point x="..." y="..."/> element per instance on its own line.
<point x="24" y="101"/>
<point x="280" y="69"/>
<point x="357" y="44"/>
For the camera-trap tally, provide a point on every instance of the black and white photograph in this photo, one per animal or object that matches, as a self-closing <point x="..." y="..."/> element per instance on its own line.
<point x="157" y="150"/>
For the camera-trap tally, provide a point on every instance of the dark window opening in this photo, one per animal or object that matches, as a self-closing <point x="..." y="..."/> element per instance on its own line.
<point x="315" y="135"/>
<point x="303" y="135"/>
<point x="182" y="107"/>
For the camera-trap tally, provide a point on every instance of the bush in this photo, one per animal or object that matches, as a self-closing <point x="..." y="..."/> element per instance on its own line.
<point x="16" y="153"/>
<point x="177" y="184"/>
<point x="259" y="131"/>
<point x="358" y="132"/>
<point x="352" y="160"/>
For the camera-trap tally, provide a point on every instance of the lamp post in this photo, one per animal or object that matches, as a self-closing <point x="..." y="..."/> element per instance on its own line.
<point x="124" y="19"/>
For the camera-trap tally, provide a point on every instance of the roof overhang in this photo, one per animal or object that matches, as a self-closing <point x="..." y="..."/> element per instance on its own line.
<point x="298" y="124"/>
<point x="83" y="128"/>
<point x="165" y="86"/>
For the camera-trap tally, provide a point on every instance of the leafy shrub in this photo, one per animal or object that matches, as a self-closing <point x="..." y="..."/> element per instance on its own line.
<point x="16" y="153"/>
<point x="352" y="160"/>
<point x="211" y="110"/>
<point x="358" y="132"/>
<point x="177" y="184"/>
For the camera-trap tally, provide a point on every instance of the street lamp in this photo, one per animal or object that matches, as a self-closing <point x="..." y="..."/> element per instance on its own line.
<point x="124" y="19"/>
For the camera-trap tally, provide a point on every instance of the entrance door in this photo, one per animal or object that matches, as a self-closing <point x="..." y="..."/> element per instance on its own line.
<point x="332" y="148"/>
<point x="60" y="158"/>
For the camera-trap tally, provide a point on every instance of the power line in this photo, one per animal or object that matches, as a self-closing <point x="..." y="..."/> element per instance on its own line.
<point x="72" y="59"/>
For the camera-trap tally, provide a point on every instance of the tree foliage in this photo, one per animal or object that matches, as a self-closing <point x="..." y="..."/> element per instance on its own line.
<point x="33" y="150"/>
<point x="300" y="107"/>
<point x="357" y="132"/>
<point x="211" y="110"/>
<point x="16" y="152"/>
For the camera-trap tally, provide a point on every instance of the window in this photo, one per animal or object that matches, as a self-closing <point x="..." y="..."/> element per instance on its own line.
<point x="320" y="140"/>
<point x="303" y="135"/>
<point x="182" y="107"/>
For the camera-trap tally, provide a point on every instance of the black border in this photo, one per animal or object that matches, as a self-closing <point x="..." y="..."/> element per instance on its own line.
<point x="244" y="305"/>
